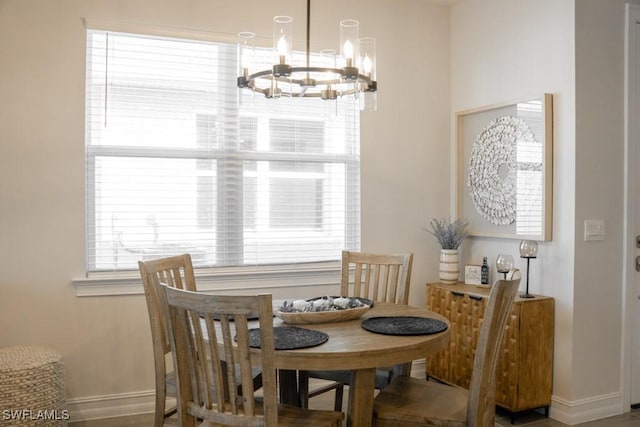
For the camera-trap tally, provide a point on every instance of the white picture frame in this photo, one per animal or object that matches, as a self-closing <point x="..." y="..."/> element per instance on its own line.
<point x="473" y="274"/>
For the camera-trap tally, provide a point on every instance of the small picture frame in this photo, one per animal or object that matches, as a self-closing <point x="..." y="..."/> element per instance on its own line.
<point x="472" y="274"/>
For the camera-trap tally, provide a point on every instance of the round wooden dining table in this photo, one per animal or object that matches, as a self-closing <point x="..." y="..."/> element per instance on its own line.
<point x="351" y="347"/>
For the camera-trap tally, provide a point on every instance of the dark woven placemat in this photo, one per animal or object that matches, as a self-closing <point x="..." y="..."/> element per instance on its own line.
<point x="404" y="325"/>
<point x="290" y="337"/>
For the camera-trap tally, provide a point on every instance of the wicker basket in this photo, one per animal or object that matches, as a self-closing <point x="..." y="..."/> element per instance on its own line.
<point x="32" y="387"/>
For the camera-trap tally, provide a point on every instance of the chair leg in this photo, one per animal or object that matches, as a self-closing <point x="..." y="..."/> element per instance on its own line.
<point x="158" y="420"/>
<point x="337" y="404"/>
<point x="289" y="390"/>
<point x="303" y="388"/>
<point x="160" y="409"/>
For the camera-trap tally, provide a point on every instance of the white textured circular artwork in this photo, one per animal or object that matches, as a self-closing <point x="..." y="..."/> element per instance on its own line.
<point x="493" y="167"/>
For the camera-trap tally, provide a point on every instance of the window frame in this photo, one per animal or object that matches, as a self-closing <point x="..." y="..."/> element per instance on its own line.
<point x="98" y="282"/>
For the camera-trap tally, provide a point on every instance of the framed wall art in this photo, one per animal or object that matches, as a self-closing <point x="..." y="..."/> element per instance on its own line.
<point x="504" y="169"/>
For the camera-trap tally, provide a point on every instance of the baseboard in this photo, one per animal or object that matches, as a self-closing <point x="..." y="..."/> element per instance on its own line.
<point x="584" y="410"/>
<point x="115" y="405"/>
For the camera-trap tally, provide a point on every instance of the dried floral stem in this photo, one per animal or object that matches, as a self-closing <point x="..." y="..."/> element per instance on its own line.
<point x="449" y="234"/>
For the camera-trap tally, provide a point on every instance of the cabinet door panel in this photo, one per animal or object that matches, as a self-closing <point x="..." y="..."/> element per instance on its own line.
<point x="536" y="354"/>
<point x="437" y="365"/>
<point x="467" y="314"/>
<point x="508" y="367"/>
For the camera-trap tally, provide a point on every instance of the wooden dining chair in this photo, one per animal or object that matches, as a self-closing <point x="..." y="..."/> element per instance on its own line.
<point x="378" y="277"/>
<point x="177" y="272"/>
<point x="217" y="326"/>
<point x="412" y="402"/>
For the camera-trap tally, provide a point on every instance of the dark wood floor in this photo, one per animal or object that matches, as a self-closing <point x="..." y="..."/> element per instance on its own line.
<point x="631" y="419"/>
<point x="531" y="418"/>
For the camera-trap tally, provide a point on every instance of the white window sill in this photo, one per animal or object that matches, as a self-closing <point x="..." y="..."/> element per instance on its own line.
<point x="255" y="279"/>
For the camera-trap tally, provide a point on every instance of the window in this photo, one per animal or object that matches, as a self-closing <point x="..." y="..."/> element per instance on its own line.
<point x="178" y="160"/>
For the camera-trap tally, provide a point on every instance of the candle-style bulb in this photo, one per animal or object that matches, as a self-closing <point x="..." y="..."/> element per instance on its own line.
<point x="348" y="52"/>
<point x="282" y="46"/>
<point x="367" y="65"/>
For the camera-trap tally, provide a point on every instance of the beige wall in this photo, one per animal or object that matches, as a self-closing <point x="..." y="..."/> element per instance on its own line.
<point x="524" y="50"/>
<point x="105" y="340"/>
<point x="600" y="168"/>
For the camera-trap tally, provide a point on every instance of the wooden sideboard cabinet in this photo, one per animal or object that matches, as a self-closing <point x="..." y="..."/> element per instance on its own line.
<point x="525" y="364"/>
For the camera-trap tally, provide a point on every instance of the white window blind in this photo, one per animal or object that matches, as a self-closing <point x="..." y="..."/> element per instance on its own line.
<point x="530" y="171"/>
<point x="179" y="160"/>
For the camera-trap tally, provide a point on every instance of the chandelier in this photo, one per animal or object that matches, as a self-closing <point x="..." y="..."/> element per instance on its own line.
<point x="351" y="73"/>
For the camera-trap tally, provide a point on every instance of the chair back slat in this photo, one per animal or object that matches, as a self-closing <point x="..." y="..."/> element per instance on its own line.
<point x="379" y="277"/>
<point x="482" y="388"/>
<point x="209" y="337"/>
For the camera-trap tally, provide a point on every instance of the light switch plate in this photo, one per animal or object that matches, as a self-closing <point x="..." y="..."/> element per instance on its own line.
<point x="594" y="229"/>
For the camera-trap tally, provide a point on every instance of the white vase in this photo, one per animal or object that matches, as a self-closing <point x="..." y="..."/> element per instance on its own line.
<point x="449" y="266"/>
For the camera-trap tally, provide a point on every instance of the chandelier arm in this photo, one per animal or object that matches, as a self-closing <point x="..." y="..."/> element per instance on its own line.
<point x="303" y="93"/>
<point x="269" y="72"/>
<point x="340" y="71"/>
<point x="361" y="77"/>
<point x="259" y="74"/>
<point x="317" y="70"/>
<point x="268" y="75"/>
<point x="305" y="82"/>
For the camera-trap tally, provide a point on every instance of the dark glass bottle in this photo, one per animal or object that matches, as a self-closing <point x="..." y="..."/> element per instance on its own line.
<point x="484" y="272"/>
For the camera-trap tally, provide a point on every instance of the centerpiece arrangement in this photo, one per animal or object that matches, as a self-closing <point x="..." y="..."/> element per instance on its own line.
<point x="322" y="309"/>
<point x="450" y="236"/>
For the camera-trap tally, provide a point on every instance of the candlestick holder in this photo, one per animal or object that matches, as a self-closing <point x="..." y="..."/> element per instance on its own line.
<point x="504" y="263"/>
<point x="528" y="250"/>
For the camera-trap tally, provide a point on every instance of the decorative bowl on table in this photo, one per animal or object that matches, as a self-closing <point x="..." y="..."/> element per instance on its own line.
<point x="322" y="310"/>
